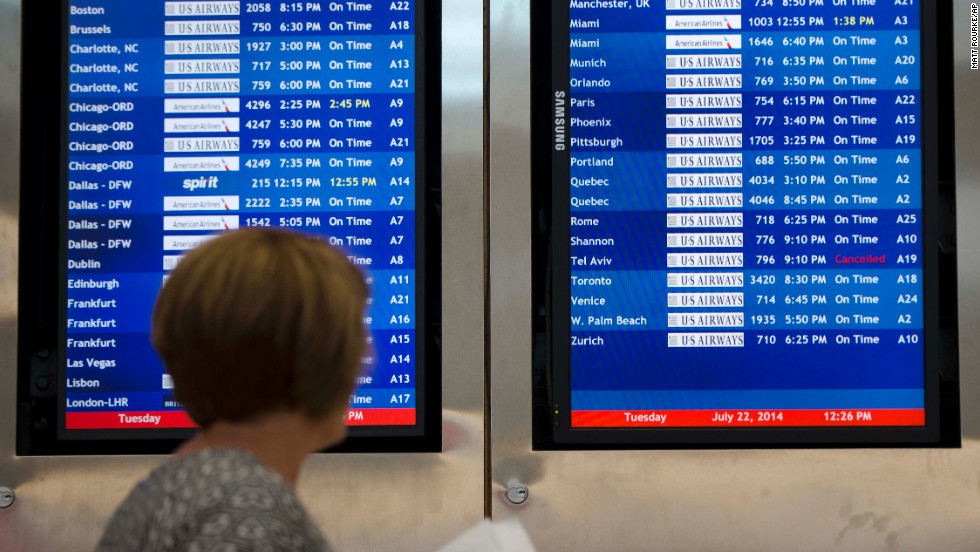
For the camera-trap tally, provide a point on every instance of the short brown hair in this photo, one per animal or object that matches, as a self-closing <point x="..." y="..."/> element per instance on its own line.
<point x="260" y="320"/>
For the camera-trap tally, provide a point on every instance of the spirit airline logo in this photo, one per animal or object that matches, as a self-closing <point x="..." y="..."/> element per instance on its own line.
<point x="204" y="182"/>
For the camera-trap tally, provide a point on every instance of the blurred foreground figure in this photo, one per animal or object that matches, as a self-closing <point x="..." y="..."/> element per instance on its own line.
<point x="262" y="331"/>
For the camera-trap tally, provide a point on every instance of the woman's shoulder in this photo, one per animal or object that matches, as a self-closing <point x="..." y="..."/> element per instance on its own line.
<point x="216" y="467"/>
<point x="217" y="496"/>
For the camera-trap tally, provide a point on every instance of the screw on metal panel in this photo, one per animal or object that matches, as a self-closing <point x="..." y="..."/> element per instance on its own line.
<point x="517" y="492"/>
<point x="6" y="497"/>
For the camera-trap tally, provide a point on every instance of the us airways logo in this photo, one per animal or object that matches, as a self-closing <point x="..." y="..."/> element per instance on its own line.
<point x="204" y="182"/>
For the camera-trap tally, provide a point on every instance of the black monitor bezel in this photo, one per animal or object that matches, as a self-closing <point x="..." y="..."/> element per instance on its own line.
<point x="550" y="289"/>
<point x="43" y="207"/>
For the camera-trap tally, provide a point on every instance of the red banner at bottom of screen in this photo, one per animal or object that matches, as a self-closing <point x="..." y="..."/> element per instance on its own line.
<point x="177" y="420"/>
<point x="381" y="417"/>
<point x="748" y="418"/>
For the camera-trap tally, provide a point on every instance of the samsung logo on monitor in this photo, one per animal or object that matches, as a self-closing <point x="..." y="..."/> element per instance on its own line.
<point x="560" y="129"/>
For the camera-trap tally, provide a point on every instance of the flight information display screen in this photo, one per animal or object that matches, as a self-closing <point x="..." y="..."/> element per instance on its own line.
<point x="737" y="211"/>
<point x="184" y="119"/>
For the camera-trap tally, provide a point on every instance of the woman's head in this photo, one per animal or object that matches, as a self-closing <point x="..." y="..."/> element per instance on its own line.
<point x="258" y="321"/>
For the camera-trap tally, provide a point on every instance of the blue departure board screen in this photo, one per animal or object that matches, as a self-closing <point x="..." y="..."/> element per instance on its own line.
<point x="185" y="119"/>
<point x="737" y="214"/>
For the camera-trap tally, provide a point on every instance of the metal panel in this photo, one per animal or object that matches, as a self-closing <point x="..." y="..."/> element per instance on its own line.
<point x="363" y="502"/>
<point x="859" y="500"/>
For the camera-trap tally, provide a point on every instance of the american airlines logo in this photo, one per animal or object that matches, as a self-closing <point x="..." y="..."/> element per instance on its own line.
<point x="204" y="182"/>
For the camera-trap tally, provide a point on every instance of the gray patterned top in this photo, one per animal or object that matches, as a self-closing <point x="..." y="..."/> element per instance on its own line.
<point x="218" y="500"/>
